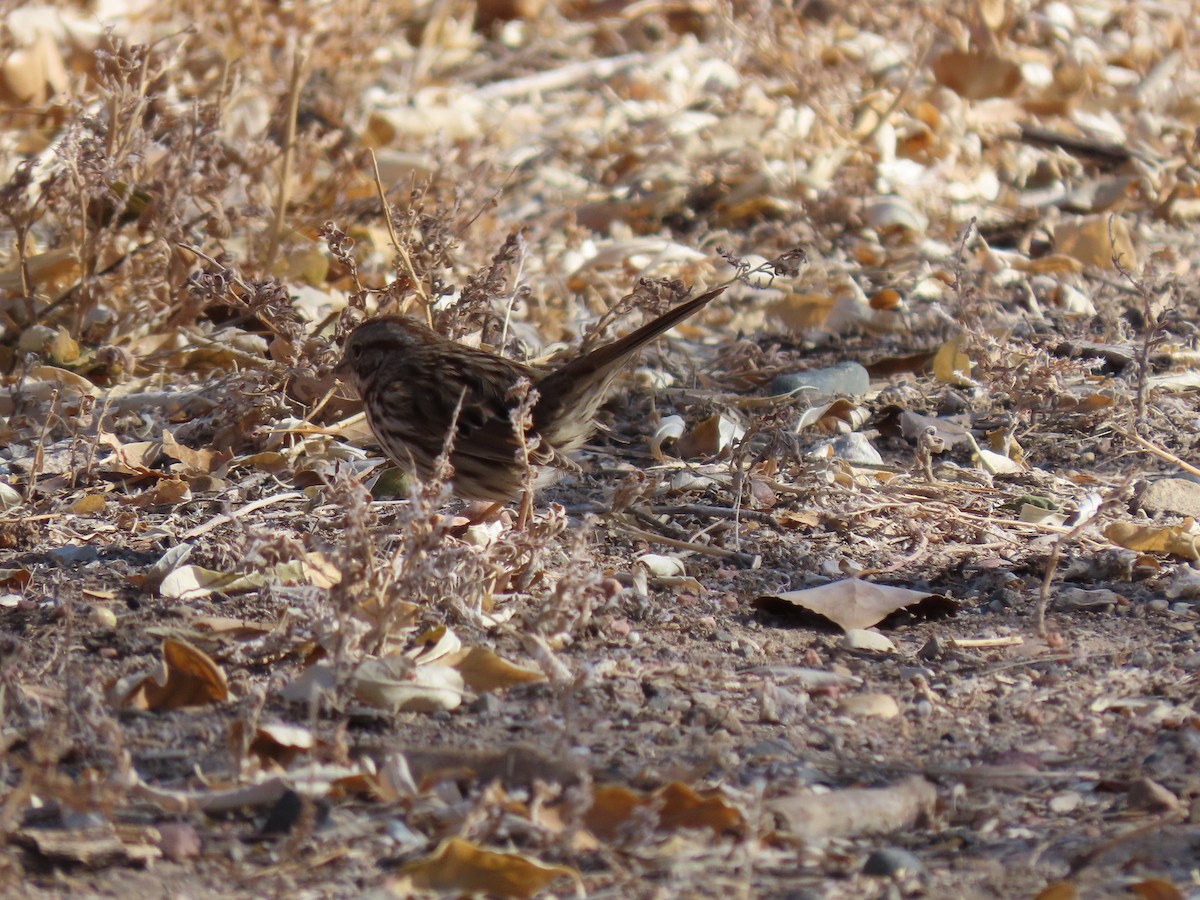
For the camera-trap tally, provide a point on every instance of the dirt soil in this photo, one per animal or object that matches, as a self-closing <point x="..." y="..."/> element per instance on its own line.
<point x="240" y="656"/>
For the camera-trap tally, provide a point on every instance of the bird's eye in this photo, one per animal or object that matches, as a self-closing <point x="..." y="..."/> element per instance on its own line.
<point x="356" y="352"/>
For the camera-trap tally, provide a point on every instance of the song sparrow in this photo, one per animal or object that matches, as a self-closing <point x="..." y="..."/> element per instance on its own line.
<point x="416" y="384"/>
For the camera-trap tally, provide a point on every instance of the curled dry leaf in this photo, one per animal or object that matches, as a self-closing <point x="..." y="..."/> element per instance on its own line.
<point x="187" y="677"/>
<point x="951" y="365"/>
<point x="711" y="437"/>
<point x="280" y="742"/>
<point x="661" y="565"/>
<point x="191" y="462"/>
<point x="977" y="76"/>
<point x="1088" y="240"/>
<point x="671" y="428"/>
<point x="855" y="604"/>
<point x="1177" y="540"/>
<point x="460" y="867"/>
<point x="394" y="683"/>
<point x="482" y="670"/>
<point x="675" y="805"/>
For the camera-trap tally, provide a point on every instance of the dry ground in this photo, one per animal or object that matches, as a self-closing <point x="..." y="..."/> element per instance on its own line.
<point x="360" y="695"/>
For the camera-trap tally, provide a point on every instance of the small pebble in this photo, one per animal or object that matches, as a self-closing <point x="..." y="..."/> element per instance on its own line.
<point x="1065" y="802"/>
<point x="862" y="639"/>
<point x="892" y="862"/>
<point x="487" y="705"/>
<point x="1150" y="796"/>
<point x="179" y="841"/>
<point x="844" y="379"/>
<point x="103" y="617"/>
<point x="873" y="705"/>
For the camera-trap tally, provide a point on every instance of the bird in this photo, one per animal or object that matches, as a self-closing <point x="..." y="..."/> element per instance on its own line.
<point x="422" y="391"/>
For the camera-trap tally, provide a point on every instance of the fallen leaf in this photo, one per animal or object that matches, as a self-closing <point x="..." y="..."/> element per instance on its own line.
<point x="1177" y="540"/>
<point x="460" y="867"/>
<point x="187" y="677"/>
<point x="395" y="684"/>
<point x="856" y="604"/>
<point x="482" y="670"/>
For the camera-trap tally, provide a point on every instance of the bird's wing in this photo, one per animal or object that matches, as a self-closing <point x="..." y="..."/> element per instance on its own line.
<point x="484" y="424"/>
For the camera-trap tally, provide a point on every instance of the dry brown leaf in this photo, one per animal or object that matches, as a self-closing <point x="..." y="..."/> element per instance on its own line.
<point x="676" y="806"/>
<point x="1087" y="240"/>
<point x="187" y="677"/>
<point x="710" y="437"/>
<point x="951" y="365"/>
<point x="164" y="492"/>
<point x="281" y="743"/>
<point x="192" y="462"/>
<point x="460" y="867"/>
<point x="1059" y="890"/>
<point x="130" y="459"/>
<point x="1156" y="889"/>
<point x="977" y="76"/>
<point x="1178" y="540"/>
<point x="482" y="670"/>
<point x="88" y="505"/>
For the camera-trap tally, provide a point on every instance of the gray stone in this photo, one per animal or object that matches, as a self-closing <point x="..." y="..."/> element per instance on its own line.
<point x="892" y="862"/>
<point x="1178" y="496"/>
<point x="848" y="379"/>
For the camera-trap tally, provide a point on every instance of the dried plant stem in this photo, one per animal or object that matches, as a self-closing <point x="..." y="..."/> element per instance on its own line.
<point x="1155" y="450"/>
<point x="1086" y="517"/>
<point x="39" y="453"/>
<point x="1153" y="324"/>
<point x="283" y="195"/>
<point x="749" y="560"/>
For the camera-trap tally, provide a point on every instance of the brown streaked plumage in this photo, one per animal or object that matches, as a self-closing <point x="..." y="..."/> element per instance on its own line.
<point x="411" y="380"/>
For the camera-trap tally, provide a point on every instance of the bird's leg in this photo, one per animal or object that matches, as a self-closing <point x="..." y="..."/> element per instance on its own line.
<point x="526" y="512"/>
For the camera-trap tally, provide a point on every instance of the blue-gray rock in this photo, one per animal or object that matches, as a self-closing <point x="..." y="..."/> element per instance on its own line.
<point x="848" y="379"/>
<point x="892" y="862"/>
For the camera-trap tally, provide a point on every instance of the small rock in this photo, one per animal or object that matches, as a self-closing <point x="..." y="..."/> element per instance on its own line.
<point x="932" y="649"/>
<point x="103" y="617"/>
<point x="179" y="841"/>
<point x="1179" y="496"/>
<point x="852" y="448"/>
<point x="1150" y="796"/>
<point x="487" y="705"/>
<point x="848" y="379"/>
<point x="873" y="705"/>
<point x="620" y="627"/>
<point x="863" y="639"/>
<point x="1066" y="802"/>
<point x="79" y="820"/>
<point x="73" y="554"/>
<point x="892" y="862"/>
